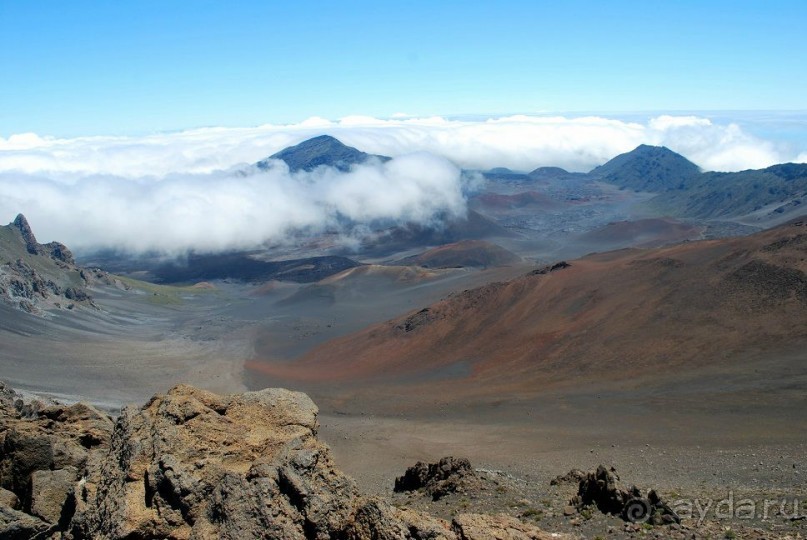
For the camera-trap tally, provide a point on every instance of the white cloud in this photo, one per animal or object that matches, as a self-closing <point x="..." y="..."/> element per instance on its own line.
<point x="519" y="142"/>
<point x="179" y="190"/>
<point x="665" y="122"/>
<point x="220" y="210"/>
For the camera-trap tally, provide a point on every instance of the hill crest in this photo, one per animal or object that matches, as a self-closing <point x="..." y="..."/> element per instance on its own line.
<point x="647" y="168"/>
<point x="323" y="150"/>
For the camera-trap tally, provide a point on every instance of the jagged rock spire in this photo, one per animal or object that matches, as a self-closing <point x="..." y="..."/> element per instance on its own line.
<point x="55" y="250"/>
<point x="27" y="234"/>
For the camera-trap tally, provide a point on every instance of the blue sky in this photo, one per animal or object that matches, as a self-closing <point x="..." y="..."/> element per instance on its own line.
<point x="84" y="68"/>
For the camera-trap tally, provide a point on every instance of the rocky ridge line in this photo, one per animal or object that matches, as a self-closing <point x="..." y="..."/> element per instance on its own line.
<point x="55" y="250"/>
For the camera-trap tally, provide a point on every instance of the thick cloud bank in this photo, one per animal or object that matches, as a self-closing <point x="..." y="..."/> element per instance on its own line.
<point x="183" y="190"/>
<point x="225" y="210"/>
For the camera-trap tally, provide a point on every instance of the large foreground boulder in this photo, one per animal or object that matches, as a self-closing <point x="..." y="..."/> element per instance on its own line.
<point x="195" y="464"/>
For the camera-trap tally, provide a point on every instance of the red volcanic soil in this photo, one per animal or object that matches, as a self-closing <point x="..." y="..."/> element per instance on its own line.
<point x="652" y="232"/>
<point x="614" y="316"/>
<point x="473" y="253"/>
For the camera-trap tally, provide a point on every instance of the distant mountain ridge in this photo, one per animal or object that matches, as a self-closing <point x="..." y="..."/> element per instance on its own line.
<point x="770" y="195"/>
<point x="774" y="194"/>
<point x="323" y="150"/>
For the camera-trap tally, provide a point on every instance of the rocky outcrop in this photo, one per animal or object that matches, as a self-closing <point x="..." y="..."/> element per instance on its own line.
<point x="46" y="449"/>
<point x="59" y="252"/>
<point x="601" y="488"/>
<point x="195" y="465"/>
<point x="449" y="475"/>
<point x="37" y="277"/>
<point x="28" y="237"/>
<point x="415" y="321"/>
<point x="549" y="268"/>
<point x="54" y="250"/>
<point x="26" y="282"/>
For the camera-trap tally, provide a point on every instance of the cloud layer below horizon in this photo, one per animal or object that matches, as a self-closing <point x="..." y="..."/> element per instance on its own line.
<point x="179" y="190"/>
<point x="228" y="210"/>
<point x="519" y="142"/>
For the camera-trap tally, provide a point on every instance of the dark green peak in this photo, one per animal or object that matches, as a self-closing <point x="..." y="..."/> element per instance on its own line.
<point x="322" y="143"/>
<point x="650" y="150"/>
<point x="647" y="168"/>
<point x="322" y="150"/>
<point x="322" y="139"/>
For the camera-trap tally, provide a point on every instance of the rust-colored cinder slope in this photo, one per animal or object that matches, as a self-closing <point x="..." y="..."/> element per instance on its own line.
<point x="611" y="316"/>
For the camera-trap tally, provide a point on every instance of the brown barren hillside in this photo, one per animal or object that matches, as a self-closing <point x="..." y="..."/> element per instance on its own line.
<point x="651" y="232"/>
<point x="620" y="315"/>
